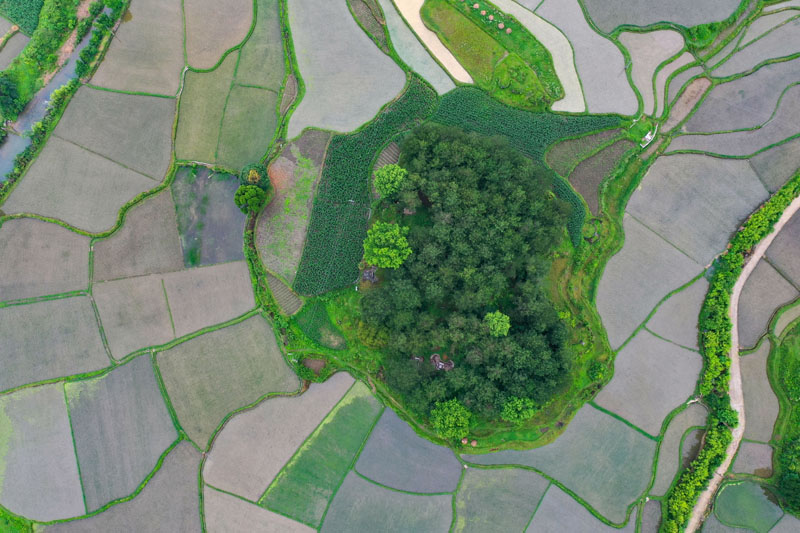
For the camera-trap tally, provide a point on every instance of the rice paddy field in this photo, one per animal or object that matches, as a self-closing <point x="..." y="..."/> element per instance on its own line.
<point x="176" y="358"/>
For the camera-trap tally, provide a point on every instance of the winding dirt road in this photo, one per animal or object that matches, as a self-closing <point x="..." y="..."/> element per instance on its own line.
<point x="737" y="399"/>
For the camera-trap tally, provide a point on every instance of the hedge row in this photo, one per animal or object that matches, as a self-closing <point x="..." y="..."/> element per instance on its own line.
<point x="529" y="132"/>
<point x="56" y="20"/>
<point x="334" y="244"/>
<point x="715" y="341"/>
<point x="58" y="102"/>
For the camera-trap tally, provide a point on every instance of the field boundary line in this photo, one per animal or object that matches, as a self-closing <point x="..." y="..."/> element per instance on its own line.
<point x="656" y="335"/>
<point x="735" y="387"/>
<point x="169" y="309"/>
<point x="401" y="491"/>
<point x="74" y="446"/>
<point x="547" y="489"/>
<point x="627" y="422"/>
<point x="98" y="154"/>
<point x="123" y="499"/>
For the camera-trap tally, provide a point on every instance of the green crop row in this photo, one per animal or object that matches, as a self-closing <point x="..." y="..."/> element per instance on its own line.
<point x="334" y="244"/>
<point x="23" y="13"/>
<point x="529" y="132"/>
<point x="715" y="342"/>
<point x="313" y="320"/>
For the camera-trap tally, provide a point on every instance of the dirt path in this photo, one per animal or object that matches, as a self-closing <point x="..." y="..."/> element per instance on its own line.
<point x="737" y="399"/>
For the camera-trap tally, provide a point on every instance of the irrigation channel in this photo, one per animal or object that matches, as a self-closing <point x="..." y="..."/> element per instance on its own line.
<point x="735" y="387"/>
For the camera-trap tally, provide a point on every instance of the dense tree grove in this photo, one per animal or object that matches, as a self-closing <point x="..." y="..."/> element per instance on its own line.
<point x="483" y="221"/>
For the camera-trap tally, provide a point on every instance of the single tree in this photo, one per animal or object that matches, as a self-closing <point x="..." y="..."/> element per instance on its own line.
<point x="386" y="245"/>
<point x="389" y="179"/>
<point x="518" y="410"/>
<point x="450" y="419"/>
<point x="498" y="324"/>
<point x="250" y="199"/>
<point x="9" y="96"/>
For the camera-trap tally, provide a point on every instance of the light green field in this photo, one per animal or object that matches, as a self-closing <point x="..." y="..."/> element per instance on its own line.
<point x="261" y="62"/>
<point x="747" y="505"/>
<point x="247" y="127"/>
<point x="310" y="479"/>
<point x="200" y="112"/>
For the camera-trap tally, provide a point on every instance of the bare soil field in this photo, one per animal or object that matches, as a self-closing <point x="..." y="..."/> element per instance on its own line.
<point x="214" y="27"/>
<point x="78" y="187"/>
<point x="688" y="98"/>
<point x="637" y="278"/>
<point x="41" y="258"/>
<point x="745" y="102"/>
<point x="784" y="252"/>
<point x="609" y="464"/>
<point x="662" y="77"/>
<point x="169" y="502"/>
<point x="609" y="14"/>
<point x="347" y="78"/>
<point x="669" y="453"/>
<point x="651" y="378"/>
<point x="121" y="427"/>
<point x="776" y="165"/>
<point x="363" y="506"/>
<point x="209" y="376"/>
<point x="696" y="202"/>
<point x="755" y="459"/>
<point x="40" y="476"/>
<point x="558" y="511"/>
<point x="204" y="296"/>
<point x="599" y="62"/>
<point x="395" y="456"/>
<point x="760" y="403"/>
<point x="134" y="313"/>
<point x="676" y="319"/>
<point x="563" y="156"/>
<point x="765" y="292"/>
<point x="412" y="51"/>
<point x="47" y="340"/>
<point x="226" y="513"/>
<point x="147" y="52"/>
<point x="239" y="462"/>
<point x="289" y="302"/>
<point x="648" y="51"/>
<point x="498" y="499"/>
<point x="12" y="48"/>
<point x="147" y="242"/>
<point x="132" y="130"/>
<point x="781" y="42"/>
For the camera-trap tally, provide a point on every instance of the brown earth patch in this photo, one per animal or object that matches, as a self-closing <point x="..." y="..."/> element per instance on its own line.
<point x="316" y="365"/>
<point x="590" y="172"/>
<point x="686" y="102"/>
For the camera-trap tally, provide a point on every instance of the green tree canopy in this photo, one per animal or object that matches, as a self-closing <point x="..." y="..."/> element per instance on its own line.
<point x="250" y="198"/>
<point x="482" y="234"/>
<point x="386" y="245"/>
<point x="389" y="179"/>
<point x="255" y="174"/>
<point x="518" y="410"/>
<point x="450" y="419"/>
<point x="498" y="324"/>
<point x="10" y="105"/>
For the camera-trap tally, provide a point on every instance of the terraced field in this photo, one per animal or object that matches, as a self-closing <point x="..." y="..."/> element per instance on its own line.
<point x="192" y="337"/>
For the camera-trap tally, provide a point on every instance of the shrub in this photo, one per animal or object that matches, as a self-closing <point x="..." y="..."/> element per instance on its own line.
<point x="10" y="104"/>
<point x="255" y="174"/>
<point x="451" y="419"/>
<point x="518" y="410"/>
<point x="372" y="336"/>
<point x="389" y="179"/>
<point x="250" y="199"/>
<point x="497" y="323"/>
<point x="386" y="245"/>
